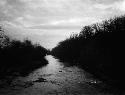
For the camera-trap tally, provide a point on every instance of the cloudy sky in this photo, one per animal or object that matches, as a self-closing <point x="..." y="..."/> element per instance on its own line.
<point x="49" y="21"/>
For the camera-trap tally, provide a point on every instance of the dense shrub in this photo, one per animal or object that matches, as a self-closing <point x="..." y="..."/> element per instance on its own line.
<point x="99" y="49"/>
<point x="20" y="57"/>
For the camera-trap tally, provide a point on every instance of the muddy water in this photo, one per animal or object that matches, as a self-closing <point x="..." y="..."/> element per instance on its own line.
<point x="55" y="79"/>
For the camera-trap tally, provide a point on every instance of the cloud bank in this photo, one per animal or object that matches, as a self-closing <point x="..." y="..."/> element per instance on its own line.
<point x="57" y="13"/>
<point x="48" y="21"/>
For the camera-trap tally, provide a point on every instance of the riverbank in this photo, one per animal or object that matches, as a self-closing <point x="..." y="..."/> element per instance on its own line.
<point x="56" y="79"/>
<point x="98" y="49"/>
<point x="19" y="58"/>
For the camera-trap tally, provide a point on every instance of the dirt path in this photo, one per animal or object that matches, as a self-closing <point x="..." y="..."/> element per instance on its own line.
<point x="54" y="79"/>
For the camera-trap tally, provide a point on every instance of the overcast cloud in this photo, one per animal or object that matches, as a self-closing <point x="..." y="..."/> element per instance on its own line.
<point x="30" y="13"/>
<point x="57" y="14"/>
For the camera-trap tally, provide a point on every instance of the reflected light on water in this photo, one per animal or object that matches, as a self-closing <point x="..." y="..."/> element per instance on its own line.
<point x="53" y="65"/>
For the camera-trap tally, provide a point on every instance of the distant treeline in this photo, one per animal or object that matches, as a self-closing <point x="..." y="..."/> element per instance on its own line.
<point x="99" y="49"/>
<point x="19" y="58"/>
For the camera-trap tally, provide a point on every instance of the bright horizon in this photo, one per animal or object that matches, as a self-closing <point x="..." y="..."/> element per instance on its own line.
<point x="50" y="21"/>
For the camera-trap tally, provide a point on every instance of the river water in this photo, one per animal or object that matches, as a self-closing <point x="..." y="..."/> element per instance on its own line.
<point x="55" y="79"/>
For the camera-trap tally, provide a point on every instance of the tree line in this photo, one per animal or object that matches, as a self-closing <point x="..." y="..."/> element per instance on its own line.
<point x="98" y="48"/>
<point x="19" y="57"/>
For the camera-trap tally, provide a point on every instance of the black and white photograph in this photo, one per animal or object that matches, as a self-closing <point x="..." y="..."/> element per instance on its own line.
<point x="62" y="47"/>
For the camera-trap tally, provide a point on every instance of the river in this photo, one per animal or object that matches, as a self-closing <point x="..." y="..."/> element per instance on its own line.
<point x="55" y="79"/>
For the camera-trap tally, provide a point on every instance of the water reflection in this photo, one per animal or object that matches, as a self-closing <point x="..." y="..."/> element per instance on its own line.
<point x="53" y="66"/>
